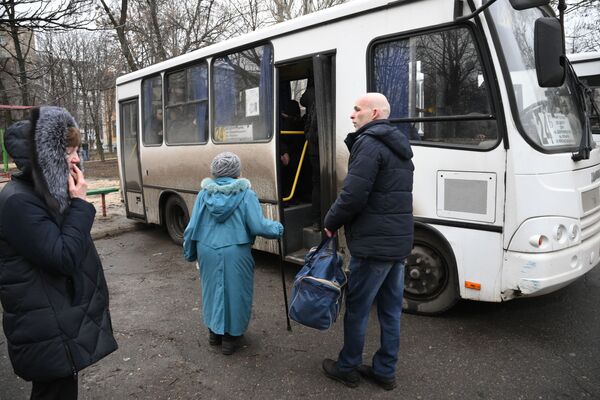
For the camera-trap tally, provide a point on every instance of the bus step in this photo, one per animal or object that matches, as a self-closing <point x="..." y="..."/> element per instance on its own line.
<point x="310" y="237"/>
<point x="297" y="257"/>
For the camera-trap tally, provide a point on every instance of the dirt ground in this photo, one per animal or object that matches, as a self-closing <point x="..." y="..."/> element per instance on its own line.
<point x="103" y="174"/>
<point x="102" y="169"/>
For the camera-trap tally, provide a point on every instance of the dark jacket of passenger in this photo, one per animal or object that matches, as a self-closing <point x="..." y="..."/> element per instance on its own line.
<point x="375" y="204"/>
<point x="52" y="286"/>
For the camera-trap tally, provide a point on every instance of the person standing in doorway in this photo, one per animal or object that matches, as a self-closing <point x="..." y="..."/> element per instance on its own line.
<point x="375" y="207"/>
<point x="52" y="286"/>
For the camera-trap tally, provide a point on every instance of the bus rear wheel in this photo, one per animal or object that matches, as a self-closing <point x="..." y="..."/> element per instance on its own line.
<point x="176" y="218"/>
<point x="430" y="277"/>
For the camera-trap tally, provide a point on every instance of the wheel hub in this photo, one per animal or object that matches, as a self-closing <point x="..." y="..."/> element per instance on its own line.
<point x="425" y="272"/>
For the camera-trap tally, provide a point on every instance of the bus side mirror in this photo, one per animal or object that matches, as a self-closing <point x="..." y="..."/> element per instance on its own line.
<point x="525" y="4"/>
<point x="549" y="55"/>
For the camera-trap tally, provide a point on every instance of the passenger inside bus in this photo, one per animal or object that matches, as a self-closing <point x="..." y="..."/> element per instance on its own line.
<point x="157" y="122"/>
<point x="181" y="127"/>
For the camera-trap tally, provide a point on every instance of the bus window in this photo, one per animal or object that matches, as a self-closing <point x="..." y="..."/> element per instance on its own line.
<point x="430" y="80"/>
<point x="187" y="105"/>
<point x="243" y="87"/>
<point x="152" y="111"/>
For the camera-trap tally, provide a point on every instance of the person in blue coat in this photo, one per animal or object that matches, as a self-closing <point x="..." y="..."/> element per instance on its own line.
<point x="225" y="220"/>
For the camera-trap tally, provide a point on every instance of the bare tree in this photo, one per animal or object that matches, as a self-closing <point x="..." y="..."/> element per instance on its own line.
<point x="582" y="25"/>
<point x="150" y="31"/>
<point x="81" y="69"/>
<point x="283" y="10"/>
<point x="252" y="15"/>
<point x="45" y="15"/>
<point x="119" y="24"/>
<point x="20" y="22"/>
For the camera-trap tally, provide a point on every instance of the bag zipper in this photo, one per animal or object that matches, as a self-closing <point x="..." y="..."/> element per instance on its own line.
<point x="323" y="281"/>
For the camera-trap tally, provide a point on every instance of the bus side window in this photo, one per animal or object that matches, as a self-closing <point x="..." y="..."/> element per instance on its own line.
<point x="430" y="77"/>
<point x="152" y="111"/>
<point x="187" y="105"/>
<point x="243" y="95"/>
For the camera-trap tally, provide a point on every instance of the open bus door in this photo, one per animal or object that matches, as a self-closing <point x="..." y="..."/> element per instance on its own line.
<point x="130" y="160"/>
<point x="324" y="76"/>
<point x="296" y="179"/>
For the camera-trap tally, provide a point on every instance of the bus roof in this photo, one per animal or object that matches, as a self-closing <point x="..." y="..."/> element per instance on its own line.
<point x="586" y="64"/>
<point x="342" y="11"/>
<point x="584" y="57"/>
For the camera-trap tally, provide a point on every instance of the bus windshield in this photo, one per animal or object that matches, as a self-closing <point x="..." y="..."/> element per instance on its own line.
<point x="550" y="118"/>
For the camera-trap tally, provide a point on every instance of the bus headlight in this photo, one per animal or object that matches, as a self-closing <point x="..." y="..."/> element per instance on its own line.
<point x="560" y="233"/>
<point x="545" y="234"/>
<point x="574" y="232"/>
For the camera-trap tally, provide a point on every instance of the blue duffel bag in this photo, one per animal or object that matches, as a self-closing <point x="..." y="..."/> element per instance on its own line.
<point x="318" y="288"/>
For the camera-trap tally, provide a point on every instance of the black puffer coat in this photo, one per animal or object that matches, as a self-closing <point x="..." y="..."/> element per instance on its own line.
<point x="375" y="204"/>
<point x="52" y="286"/>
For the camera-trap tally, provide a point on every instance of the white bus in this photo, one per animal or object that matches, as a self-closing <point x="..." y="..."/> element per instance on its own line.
<point x="507" y="184"/>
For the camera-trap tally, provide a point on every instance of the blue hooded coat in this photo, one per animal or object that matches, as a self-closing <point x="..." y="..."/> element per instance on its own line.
<point x="224" y="223"/>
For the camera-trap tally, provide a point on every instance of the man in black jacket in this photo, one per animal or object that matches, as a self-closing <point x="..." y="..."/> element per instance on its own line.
<point x="52" y="286"/>
<point x="375" y="207"/>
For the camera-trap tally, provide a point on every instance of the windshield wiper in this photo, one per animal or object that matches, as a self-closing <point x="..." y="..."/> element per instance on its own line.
<point x="584" y="93"/>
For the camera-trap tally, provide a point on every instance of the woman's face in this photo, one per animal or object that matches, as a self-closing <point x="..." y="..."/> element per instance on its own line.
<point x="72" y="156"/>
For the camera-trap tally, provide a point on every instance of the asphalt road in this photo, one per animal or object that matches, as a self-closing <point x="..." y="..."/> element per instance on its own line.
<point x="540" y="348"/>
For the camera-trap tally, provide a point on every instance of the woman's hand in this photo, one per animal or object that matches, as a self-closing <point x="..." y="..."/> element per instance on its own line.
<point x="77" y="184"/>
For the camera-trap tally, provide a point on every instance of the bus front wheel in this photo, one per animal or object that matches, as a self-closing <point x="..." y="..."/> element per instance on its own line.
<point x="176" y="218"/>
<point x="430" y="277"/>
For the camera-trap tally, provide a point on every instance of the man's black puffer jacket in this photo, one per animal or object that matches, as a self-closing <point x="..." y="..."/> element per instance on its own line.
<point x="52" y="286"/>
<point x="375" y="204"/>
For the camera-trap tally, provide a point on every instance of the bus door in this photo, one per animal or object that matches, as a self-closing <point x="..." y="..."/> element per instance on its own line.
<point x="324" y="80"/>
<point x="307" y="180"/>
<point x="130" y="160"/>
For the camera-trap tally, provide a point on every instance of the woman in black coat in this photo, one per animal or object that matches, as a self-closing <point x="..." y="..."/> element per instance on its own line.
<point x="52" y="286"/>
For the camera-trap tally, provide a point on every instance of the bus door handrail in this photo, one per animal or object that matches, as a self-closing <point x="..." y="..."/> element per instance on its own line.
<point x="300" y="163"/>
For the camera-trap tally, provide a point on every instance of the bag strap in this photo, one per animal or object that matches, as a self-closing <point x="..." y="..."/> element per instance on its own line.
<point x="326" y="242"/>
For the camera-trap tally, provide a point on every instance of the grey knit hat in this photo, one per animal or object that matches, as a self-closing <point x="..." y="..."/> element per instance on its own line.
<point x="226" y="164"/>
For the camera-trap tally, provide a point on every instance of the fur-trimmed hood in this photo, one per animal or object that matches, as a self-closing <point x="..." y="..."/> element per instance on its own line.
<point x="38" y="147"/>
<point x="223" y="195"/>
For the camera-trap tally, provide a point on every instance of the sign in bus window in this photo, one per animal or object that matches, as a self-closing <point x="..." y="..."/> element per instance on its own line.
<point x="243" y="95"/>
<point x="550" y="118"/>
<point x="431" y="77"/>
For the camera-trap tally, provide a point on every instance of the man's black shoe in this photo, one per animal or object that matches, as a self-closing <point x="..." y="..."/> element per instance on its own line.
<point x="367" y="372"/>
<point x="350" y="379"/>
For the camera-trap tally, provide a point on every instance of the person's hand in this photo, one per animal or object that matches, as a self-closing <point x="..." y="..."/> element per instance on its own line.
<point x="329" y="233"/>
<point x="285" y="159"/>
<point x="77" y="184"/>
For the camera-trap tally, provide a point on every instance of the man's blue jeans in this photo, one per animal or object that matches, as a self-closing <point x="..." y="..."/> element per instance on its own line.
<point x="370" y="281"/>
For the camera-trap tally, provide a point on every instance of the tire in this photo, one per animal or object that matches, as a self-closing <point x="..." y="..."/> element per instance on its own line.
<point x="176" y="218"/>
<point x="430" y="280"/>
